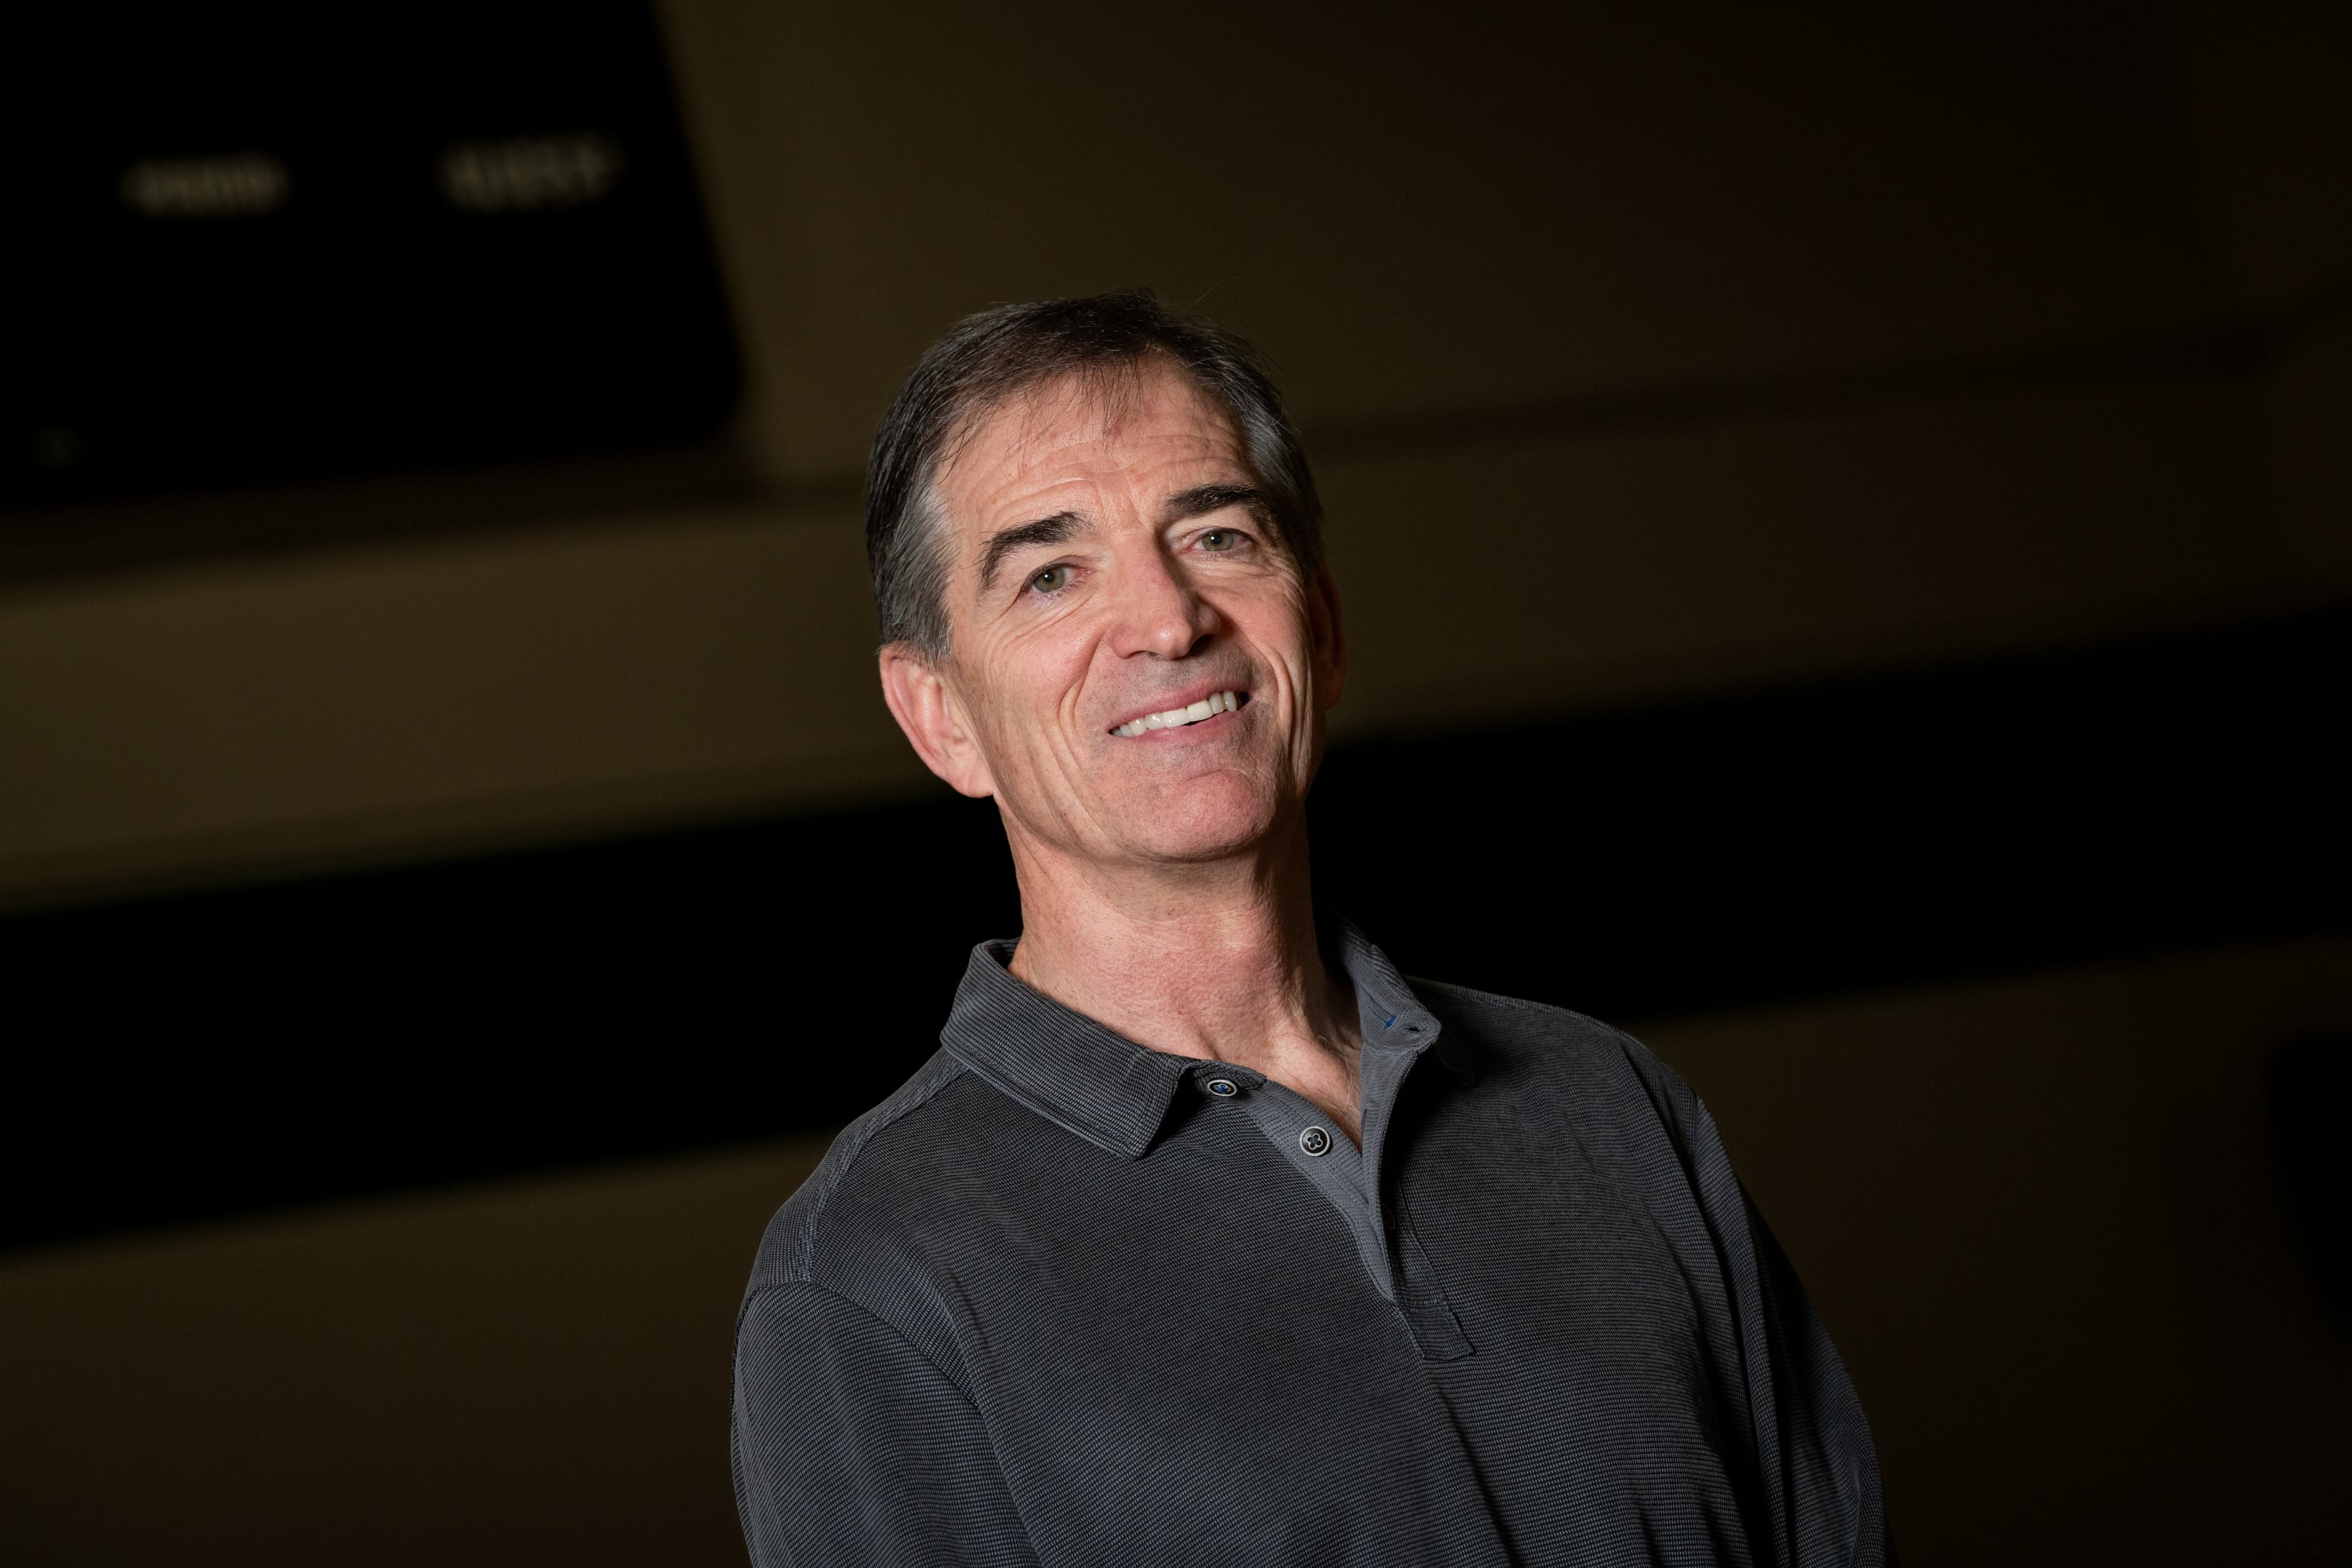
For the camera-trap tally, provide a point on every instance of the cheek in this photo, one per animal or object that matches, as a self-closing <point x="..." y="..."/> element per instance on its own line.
<point x="1277" y="626"/>
<point x="1037" y="682"/>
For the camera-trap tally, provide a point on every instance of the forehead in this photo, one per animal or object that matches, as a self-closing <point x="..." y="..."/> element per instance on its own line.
<point x="1124" y="423"/>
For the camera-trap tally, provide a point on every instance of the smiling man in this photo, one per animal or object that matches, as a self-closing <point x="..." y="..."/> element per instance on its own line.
<point x="1206" y="1235"/>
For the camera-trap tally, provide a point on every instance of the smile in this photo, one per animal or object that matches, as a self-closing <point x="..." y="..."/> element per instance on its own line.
<point x="1209" y="706"/>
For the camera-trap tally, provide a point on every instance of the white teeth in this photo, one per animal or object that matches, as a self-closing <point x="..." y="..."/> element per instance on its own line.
<point x="1209" y="706"/>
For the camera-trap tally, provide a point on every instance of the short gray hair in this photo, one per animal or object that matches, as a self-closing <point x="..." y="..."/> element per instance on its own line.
<point x="986" y="360"/>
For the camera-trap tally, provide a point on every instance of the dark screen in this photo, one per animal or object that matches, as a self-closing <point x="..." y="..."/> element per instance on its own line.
<point x="305" y="242"/>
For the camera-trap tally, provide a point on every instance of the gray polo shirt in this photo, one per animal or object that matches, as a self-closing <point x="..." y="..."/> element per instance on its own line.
<point x="1065" y="1299"/>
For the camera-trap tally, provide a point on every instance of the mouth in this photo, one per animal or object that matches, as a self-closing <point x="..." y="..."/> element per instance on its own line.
<point x="1207" y="708"/>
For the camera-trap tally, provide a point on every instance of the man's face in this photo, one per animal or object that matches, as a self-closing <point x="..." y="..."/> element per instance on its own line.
<point x="1138" y="670"/>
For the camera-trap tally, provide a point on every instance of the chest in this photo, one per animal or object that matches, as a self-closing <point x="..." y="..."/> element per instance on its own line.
<point x="1196" y="1343"/>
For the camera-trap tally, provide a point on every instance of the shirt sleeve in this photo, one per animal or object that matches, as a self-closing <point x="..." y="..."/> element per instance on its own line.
<point x="1832" y="1504"/>
<point x="850" y="1446"/>
<point x="1817" y="1464"/>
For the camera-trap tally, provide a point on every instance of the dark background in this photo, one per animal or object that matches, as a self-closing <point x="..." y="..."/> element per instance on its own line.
<point x="1848" y="549"/>
<point x="2151" y="797"/>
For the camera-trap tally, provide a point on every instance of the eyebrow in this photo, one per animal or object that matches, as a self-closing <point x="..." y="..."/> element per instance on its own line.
<point x="1198" y="502"/>
<point x="1202" y="500"/>
<point x="1005" y="541"/>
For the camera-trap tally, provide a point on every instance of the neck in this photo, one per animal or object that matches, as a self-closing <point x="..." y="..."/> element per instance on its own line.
<point x="1217" y="961"/>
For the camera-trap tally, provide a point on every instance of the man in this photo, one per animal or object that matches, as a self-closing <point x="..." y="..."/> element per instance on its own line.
<point x="1206" y="1236"/>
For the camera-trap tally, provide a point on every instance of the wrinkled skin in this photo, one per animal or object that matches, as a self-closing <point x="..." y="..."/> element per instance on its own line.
<point x="1164" y="881"/>
<point x="1138" y="610"/>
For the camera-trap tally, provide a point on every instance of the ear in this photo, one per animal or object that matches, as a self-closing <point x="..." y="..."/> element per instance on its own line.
<point x="1329" y="637"/>
<point x="926" y="708"/>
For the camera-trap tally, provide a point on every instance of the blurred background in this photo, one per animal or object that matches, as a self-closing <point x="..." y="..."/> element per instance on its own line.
<point x="1845" y="517"/>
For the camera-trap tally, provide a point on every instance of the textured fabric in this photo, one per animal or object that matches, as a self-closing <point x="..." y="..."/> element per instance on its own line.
<point x="1066" y="1300"/>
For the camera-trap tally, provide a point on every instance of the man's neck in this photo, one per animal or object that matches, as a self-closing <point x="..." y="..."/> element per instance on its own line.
<point x="1218" y="962"/>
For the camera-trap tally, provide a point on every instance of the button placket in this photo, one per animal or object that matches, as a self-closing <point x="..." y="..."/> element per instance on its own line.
<point x="1334" y="1167"/>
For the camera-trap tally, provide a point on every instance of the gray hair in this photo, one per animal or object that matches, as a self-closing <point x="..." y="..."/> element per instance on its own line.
<point x="989" y="358"/>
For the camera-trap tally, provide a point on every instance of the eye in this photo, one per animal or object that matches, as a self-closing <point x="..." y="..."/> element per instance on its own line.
<point x="1051" y="580"/>
<point x="1220" y="539"/>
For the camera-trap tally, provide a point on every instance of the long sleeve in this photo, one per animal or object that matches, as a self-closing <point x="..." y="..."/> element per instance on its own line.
<point x="851" y="1446"/>
<point x="1817" y="1464"/>
<point x="1832" y="1504"/>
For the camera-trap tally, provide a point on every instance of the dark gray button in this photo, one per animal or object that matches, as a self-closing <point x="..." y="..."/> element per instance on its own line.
<point x="1315" y="1140"/>
<point x="1223" y="1088"/>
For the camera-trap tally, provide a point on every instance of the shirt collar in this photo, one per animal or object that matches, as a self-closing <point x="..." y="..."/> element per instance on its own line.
<point x="1107" y="1088"/>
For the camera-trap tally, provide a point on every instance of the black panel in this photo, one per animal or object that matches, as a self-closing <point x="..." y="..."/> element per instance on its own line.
<point x="212" y="1053"/>
<point x="2310" y="1094"/>
<point x="263" y="244"/>
<point x="1868" y="834"/>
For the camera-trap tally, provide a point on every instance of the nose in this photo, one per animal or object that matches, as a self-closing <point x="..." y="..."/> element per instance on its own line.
<point x="1159" y="613"/>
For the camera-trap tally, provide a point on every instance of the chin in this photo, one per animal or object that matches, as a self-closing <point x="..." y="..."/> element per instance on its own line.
<point x="1210" y="824"/>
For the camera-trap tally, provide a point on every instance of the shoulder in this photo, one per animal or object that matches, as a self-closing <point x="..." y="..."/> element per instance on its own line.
<point x="908" y="1189"/>
<point x="1517" y="1027"/>
<point x="874" y="1162"/>
<point x="1604" y="1079"/>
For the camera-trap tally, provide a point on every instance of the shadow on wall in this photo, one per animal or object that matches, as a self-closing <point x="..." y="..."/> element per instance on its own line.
<point x="501" y="1017"/>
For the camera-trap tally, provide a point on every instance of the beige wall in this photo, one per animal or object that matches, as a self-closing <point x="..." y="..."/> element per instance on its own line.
<point x="2273" y="143"/>
<point x="2039" y="1213"/>
<point x="2271" y="139"/>
<point x="405" y="698"/>
<point x="536" y="1373"/>
<point x="2045" y="1219"/>
<point x="1638" y="356"/>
